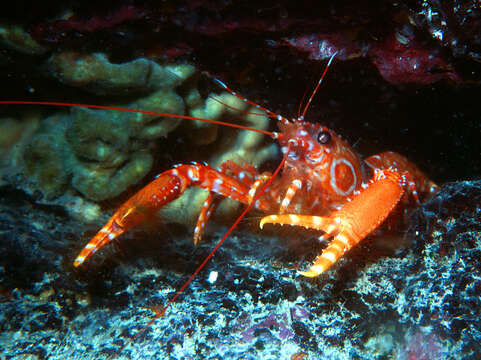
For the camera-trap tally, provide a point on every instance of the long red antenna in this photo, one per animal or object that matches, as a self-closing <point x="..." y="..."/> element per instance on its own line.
<point x="241" y="111"/>
<point x="257" y="106"/>
<point x="201" y="266"/>
<point x="217" y="122"/>
<point x="317" y="86"/>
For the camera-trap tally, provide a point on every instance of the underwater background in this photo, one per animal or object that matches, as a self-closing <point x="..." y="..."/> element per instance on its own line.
<point x="406" y="78"/>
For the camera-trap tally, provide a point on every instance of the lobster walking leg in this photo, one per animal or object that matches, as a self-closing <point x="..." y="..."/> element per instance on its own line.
<point x="208" y="208"/>
<point x="245" y="173"/>
<point x="165" y="188"/>
<point x="353" y="222"/>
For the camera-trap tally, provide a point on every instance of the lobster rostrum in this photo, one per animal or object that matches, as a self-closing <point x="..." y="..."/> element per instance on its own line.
<point x="324" y="185"/>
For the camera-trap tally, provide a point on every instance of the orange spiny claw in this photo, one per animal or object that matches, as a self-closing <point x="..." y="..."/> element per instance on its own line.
<point x="109" y="232"/>
<point x="353" y="222"/>
<point x="135" y="210"/>
<point x="167" y="187"/>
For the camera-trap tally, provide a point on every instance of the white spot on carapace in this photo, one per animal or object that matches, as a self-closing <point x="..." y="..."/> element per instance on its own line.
<point x="333" y="181"/>
<point x="191" y="174"/>
<point x="111" y="236"/>
<point x="217" y="184"/>
<point x="311" y="145"/>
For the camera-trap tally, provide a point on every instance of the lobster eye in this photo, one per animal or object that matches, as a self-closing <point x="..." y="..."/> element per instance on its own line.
<point x="324" y="137"/>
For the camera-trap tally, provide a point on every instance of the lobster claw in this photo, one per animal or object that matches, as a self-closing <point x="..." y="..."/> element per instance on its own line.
<point x="167" y="187"/>
<point x="353" y="222"/>
<point x="330" y="226"/>
<point x="146" y="202"/>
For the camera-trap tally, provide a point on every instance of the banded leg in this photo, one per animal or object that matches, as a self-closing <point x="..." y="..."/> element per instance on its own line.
<point x="244" y="173"/>
<point x="249" y="175"/>
<point x="353" y="222"/>
<point x="260" y="180"/>
<point x="208" y="208"/>
<point x="293" y="188"/>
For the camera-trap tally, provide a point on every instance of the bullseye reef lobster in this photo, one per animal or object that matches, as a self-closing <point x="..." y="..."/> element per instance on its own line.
<point x="323" y="184"/>
<point x="322" y="175"/>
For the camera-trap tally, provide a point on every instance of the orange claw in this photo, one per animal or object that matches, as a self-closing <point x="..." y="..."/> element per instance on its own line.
<point x="135" y="210"/>
<point x="167" y="187"/>
<point x="353" y="222"/>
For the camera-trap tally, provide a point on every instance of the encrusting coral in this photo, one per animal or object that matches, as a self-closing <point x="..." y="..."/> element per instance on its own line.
<point x="100" y="153"/>
<point x="96" y="74"/>
<point x="16" y="38"/>
<point x="46" y="155"/>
